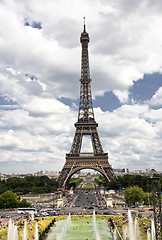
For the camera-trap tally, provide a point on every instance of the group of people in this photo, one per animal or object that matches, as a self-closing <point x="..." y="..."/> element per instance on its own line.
<point x="70" y="200"/>
<point x="100" y="199"/>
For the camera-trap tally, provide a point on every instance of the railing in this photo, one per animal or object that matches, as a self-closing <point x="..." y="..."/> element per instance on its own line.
<point x="87" y="155"/>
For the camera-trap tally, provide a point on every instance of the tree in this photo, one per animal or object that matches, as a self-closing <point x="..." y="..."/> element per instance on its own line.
<point x="24" y="203"/>
<point x="148" y="199"/>
<point x="133" y="195"/>
<point x="40" y="184"/>
<point x="9" y="199"/>
<point x="3" y="187"/>
<point x="37" y="190"/>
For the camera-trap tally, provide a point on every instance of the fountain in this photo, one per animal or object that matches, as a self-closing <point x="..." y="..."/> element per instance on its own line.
<point x="136" y="228"/>
<point x="81" y="228"/>
<point x="115" y="235"/>
<point x="9" y="229"/>
<point x="148" y="235"/>
<point x="36" y="231"/>
<point x="153" y="235"/>
<point x="69" y="219"/>
<point x="64" y="228"/>
<point x="15" y="233"/>
<point x="95" y="227"/>
<point x="12" y="231"/>
<point x="125" y="232"/>
<point x="133" y="229"/>
<point x="25" y="231"/>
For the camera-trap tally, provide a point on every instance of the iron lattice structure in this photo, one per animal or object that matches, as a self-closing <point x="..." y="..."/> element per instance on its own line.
<point x="157" y="207"/>
<point x="86" y="125"/>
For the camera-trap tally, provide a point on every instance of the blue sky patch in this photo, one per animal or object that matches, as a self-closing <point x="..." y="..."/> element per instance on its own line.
<point x="32" y="77"/>
<point x="107" y="102"/>
<point x="145" y="88"/>
<point x="34" y="24"/>
<point x="6" y="101"/>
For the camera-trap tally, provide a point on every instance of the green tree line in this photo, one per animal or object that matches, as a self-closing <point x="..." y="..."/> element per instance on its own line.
<point x="128" y="180"/>
<point x="74" y="182"/>
<point x="33" y="184"/>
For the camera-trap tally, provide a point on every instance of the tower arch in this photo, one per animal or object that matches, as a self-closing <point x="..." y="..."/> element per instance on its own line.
<point x="66" y="182"/>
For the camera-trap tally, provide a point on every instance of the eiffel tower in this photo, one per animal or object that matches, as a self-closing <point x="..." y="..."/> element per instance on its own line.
<point x="86" y="125"/>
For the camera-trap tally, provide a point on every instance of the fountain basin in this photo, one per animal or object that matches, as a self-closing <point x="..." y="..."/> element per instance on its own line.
<point x="80" y="229"/>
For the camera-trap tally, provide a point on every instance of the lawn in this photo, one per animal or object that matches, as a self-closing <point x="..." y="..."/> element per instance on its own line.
<point x="88" y="186"/>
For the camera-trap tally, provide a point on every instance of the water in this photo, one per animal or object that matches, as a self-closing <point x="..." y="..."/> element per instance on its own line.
<point x="12" y="231"/>
<point x="15" y="233"/>
<point x="125" y="232"/>
<point x="61" y="230"/>
<point x="132" y="231"/>
<point x="148" y="235"/>
<point x="25" y="234"/>
<point x="25" y="231"/>
<point x="56" y="230"/>
<point x="153" y="235"/>
<point x="131" y="226"/>
<point x="9" y="230"/>
<point x="136" y="228"/>
<point x="95" y="227"/>
<point x="36" y="232"/>
<point x="81" y="228"/>
<point x="115" y="235"/>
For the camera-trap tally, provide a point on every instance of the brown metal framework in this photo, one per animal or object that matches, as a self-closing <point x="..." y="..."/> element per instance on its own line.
<point x="86" y="125"/>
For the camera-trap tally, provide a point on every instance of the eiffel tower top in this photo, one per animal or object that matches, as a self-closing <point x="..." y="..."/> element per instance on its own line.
<point x="86" y="113"/>
<point x="84" y="39"/>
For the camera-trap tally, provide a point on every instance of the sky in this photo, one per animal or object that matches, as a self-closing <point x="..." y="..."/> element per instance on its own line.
<point x="40" y="68"/>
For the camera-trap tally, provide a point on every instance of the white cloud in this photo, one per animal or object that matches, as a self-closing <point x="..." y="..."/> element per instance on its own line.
<point x="125" y="43"/>
<point x="38" y="106"/>
<point x="156" y="99"/>
<point x="129" y="138"/>
<point x="123" y="96"/>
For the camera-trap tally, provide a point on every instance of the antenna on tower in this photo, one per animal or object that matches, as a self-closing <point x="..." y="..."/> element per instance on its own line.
<point x="84" y="25"/>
